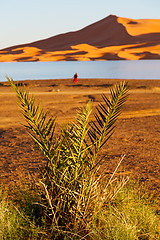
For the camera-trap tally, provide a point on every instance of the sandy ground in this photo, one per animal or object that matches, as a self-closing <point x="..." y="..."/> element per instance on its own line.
<point x="137" y="135"/>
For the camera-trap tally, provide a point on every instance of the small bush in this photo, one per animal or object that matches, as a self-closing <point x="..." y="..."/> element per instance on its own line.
<point x="129" y="216"/>
<point x="14" y="223"/>
<point x="69" y="188"/>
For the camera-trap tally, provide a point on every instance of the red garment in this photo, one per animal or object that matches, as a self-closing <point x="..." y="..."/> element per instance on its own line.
<point x="75" y="77"/>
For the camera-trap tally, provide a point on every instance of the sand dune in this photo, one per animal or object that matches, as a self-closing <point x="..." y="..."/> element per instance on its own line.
<point x="112" y="38"/>
<point x="140" y="26"/>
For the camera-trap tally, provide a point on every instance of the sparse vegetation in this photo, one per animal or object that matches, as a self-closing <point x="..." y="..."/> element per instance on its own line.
<point x="72" y="200"/>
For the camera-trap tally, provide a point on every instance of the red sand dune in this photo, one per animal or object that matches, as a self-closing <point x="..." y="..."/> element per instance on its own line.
<point x="112" y="38"/>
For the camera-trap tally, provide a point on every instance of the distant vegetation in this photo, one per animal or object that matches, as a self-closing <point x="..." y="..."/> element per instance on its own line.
<point x="73" y="199"/>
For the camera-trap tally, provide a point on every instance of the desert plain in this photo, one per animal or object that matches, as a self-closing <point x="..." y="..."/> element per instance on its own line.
<point x="137" y="134"/>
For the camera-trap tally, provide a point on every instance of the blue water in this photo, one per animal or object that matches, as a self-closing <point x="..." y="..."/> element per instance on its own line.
<point x="142" y="69"/>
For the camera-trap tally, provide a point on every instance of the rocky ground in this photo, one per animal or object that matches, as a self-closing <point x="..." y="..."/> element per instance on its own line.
<point x="137" y="135"/>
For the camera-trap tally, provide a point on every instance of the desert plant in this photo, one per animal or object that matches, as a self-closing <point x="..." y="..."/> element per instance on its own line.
<point x="71" y="190"/>
<point x="131" y="215"/>
<point x="14" y="222"/>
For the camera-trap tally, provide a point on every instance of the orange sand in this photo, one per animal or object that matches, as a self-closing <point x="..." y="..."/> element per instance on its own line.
<point x="136" y="39"/>
<point x="140" y="26"/>
<point x="127" y="52"/>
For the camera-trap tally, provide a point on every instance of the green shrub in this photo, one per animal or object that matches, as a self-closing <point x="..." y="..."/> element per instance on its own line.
<point x="70" y="190"/>
<point x="14" y="223"/>
<point x="129" y="216"/>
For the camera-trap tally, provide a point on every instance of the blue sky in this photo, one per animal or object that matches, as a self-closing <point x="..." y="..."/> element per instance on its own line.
<point x="24" y="21"/>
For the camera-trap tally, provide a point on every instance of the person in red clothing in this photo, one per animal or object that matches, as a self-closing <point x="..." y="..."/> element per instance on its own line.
<point x="75" y="77"/>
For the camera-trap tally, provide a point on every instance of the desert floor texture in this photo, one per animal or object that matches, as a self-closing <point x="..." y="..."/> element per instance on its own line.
<point x="137" y="134"/>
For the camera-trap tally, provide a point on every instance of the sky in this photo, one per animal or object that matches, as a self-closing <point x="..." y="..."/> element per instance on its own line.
<point x="25" y="21"/>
